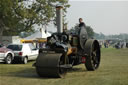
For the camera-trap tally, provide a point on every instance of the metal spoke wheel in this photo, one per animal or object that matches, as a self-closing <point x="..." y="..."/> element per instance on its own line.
<point x="93" y="54"/>
<point x="8" y="59"/>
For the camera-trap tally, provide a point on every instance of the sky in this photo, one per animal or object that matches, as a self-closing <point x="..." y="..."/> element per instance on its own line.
<point x="107" y="17"/>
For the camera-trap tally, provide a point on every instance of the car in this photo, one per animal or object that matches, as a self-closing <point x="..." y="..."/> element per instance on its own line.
<point x="24" y="52"/>
<point x="6" y="55"/>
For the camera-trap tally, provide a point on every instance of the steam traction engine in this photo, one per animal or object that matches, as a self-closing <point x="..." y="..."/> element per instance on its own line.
<point x="64" y="50"/>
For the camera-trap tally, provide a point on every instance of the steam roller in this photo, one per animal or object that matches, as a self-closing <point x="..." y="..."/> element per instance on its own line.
<point x="65" y="50"/>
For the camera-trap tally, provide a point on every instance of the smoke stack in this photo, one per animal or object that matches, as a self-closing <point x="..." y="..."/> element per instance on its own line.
<point x="59" y="19"/>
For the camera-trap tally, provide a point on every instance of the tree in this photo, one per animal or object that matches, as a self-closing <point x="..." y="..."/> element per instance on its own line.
<point x="8" y="18"/>
<point x="21" y="15"/>
<point x="90" y="31"/>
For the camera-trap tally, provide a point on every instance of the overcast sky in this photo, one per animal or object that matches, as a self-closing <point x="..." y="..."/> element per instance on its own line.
<point x="104" y="16"/>
<point x="108" y="17"/>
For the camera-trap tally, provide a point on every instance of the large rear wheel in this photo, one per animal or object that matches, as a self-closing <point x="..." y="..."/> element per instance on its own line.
<point x="92" y="49"/>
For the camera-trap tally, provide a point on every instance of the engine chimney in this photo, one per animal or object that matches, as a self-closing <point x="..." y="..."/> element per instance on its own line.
<point x="59" y="19"/>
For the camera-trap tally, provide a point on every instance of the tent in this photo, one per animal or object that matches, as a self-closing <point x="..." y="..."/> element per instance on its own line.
<point x="39" y="36"/>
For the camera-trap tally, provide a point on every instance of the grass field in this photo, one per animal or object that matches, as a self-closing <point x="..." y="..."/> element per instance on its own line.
<point x="113" y="70"/>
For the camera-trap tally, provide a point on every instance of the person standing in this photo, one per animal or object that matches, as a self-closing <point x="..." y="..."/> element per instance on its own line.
<point x="81" y="23"/>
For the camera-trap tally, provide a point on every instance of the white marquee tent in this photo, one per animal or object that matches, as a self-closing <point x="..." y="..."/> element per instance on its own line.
<point x="39" y="35"/>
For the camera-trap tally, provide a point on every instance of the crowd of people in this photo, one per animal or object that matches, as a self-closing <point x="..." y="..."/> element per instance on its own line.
<point x="114" y="44"/>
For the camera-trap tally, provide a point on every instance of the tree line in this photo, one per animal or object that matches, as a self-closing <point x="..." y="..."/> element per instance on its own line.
<point x="101" y="36"/>
<point x="18" y="16"/>
<point x="122" y="36"/>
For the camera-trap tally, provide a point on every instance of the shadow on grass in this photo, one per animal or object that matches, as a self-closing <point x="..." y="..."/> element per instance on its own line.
<point x="76" y="69"/>
<point x="24" y="73"/>
<point x="30" y="72"/>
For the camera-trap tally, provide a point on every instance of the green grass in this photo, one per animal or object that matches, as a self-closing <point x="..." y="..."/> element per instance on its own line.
<point x="113" y="70"/>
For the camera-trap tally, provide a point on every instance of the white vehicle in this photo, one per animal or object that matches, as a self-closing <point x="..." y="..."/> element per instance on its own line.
<point x="24" y="52"/>
<point x="6" y="55"/>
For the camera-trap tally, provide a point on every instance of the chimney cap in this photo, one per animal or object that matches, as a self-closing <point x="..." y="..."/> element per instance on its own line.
<point x="59" y="6"/>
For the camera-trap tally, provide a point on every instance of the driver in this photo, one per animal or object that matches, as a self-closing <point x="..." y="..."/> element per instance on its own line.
<point x="81" y="23"/>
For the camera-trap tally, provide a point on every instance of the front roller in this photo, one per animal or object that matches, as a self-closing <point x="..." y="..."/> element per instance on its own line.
<point x="92" y="49"/>
<point x="50" y="65"/>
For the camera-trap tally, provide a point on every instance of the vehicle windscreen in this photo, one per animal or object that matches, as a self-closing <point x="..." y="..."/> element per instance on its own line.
<point x="15" y="47"/>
